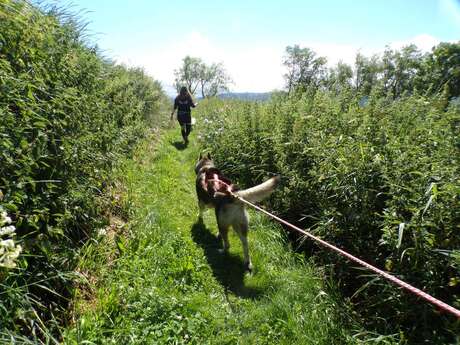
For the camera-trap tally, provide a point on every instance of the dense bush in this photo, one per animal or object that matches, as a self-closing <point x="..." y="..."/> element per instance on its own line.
<point x="66" y="115"/>
<point x="380" y="181"/>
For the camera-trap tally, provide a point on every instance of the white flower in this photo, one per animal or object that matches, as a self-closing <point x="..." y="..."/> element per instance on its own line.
<point x="9" y="250"/>
<point x="7" y="230"/>
<point x="16" y="252"/>
<point x="3" y="217"/>
<point x="9" y="243"/>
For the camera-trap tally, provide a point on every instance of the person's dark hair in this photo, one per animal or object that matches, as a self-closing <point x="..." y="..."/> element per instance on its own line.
<point x="183" y="92"/>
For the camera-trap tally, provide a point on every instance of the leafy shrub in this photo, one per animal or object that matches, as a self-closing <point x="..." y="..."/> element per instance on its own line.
<point x="66" y="115"/>
<point x="379" y="180"/>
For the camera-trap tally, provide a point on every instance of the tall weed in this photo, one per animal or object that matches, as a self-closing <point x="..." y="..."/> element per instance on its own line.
<point x="380" y="181"/>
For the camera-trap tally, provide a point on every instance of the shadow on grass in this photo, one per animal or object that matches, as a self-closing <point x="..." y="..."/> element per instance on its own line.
<point x="228" y="269"/>
<point x="179" y="145"/>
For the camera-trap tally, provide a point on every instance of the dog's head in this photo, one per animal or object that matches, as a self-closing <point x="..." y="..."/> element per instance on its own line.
<point x="204" y="161"/>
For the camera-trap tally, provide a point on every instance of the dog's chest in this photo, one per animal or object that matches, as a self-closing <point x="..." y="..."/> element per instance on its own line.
<point x="213" y="188"/>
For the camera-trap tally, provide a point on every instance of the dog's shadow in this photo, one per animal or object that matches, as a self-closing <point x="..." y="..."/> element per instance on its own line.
<point x="180" y="145"/>
<point x="228" y="269"/>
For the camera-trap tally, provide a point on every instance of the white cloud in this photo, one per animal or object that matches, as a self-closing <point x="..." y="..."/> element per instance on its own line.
<point x="424" y="42"/>
<point x="256" y="68"/>
<point x="335" y="52"/>
<point x="162" y="61"/>
<point x="251" y="68"/>
<point x="347" y="52"/>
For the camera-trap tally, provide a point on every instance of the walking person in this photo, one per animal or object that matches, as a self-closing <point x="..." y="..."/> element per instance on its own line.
<point x="183" y="103"/>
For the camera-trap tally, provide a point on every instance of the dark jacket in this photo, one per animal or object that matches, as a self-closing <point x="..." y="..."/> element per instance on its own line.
<point x="183" y="106"/>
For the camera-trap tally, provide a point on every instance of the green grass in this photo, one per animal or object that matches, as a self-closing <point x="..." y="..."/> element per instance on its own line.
<point x="164" y="282"/>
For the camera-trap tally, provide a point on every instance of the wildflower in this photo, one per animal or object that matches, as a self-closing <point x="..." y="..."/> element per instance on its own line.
<point x="7" y="244"/>
<point x="3" y="217"/>
<point x="9" y="250"/>
<point x="7" y="230"/>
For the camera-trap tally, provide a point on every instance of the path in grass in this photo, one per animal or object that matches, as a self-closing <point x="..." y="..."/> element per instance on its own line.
<point x="170" y="285"/>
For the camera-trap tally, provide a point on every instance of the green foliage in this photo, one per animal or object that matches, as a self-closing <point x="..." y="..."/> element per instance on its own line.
<point x="443" y="69"/>
<point x="380" y="181"/>
<point x="395" y="73"/>
<point x="66" y="116"/>
<point x="304" y="68"/>
<point x="194" y="74"/>
<point x="172" y="286"/>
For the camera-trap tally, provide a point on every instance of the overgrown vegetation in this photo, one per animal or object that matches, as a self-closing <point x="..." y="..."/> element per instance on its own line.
<point x="170" y="284"/>
<point x="373" y="171"/>
<point x="369" y="159"/>
<point x="66" y="116"/>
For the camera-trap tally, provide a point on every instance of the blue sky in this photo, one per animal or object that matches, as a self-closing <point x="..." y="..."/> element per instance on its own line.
<point x="249" y="37"/>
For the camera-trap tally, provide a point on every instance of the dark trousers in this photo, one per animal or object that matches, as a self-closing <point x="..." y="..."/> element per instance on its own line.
<point x="185" y="121"/>
<point x="186" y="128"/>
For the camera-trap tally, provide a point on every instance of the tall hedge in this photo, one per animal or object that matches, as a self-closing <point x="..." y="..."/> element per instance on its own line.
<point x="67" y="114"/>
<point x="379" y="180"/>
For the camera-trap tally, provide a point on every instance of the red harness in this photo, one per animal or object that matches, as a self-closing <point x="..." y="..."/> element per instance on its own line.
<point x="216" y="184"/>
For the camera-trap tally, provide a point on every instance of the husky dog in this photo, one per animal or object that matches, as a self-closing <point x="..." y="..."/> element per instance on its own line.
<point x="215" y="191"/>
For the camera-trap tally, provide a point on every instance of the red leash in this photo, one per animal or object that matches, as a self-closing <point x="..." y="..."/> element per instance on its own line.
<point x="440" y="304"/>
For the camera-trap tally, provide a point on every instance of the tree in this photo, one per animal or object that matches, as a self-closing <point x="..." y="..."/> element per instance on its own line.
<point x="189" y="74"/>
<point x="339" y="78"/>
<point x="213" y="80"/>
<point x="194" y="73"/>
<point x="400" y="70"/>
<point x="366" y="73"/>
<point x="304" y="68"/>
<point x="443" y="69"/>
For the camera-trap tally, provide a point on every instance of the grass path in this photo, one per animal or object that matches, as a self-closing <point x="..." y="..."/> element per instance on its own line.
<point x="169" y="285"/>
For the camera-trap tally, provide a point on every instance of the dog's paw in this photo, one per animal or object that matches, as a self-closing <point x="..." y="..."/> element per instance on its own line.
<point x="248" y="267"/>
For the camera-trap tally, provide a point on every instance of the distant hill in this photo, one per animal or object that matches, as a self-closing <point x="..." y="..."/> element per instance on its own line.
<point x="246" y="96"/>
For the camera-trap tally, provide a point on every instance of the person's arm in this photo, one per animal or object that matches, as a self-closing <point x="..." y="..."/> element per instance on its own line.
<point x="174" y="108"/>
<point x="192" y="103"/>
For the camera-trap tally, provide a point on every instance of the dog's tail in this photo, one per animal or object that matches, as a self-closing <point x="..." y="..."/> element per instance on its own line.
<point x="259" y="192"/>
